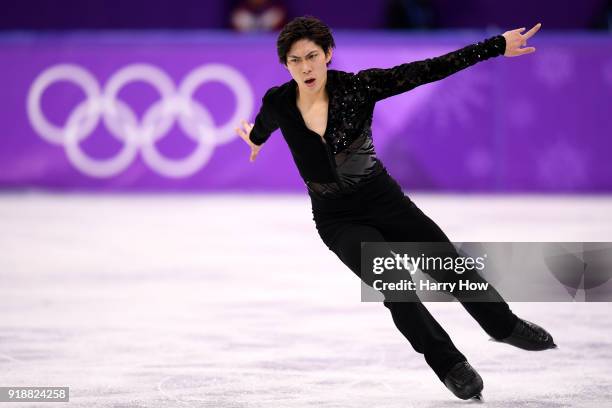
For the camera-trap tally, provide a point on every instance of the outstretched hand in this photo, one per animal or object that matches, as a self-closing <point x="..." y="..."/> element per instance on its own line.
<point x="244" y="133"/>
<point x="515" y="40"/>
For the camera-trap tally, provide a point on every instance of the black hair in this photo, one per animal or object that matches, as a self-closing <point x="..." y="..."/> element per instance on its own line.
<point x="306" y="27"/>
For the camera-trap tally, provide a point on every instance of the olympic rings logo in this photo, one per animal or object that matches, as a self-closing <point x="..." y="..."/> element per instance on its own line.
<point x="123" y="124"/>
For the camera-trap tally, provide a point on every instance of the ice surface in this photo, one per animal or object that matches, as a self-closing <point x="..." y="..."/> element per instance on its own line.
<point x="234" y="301"/>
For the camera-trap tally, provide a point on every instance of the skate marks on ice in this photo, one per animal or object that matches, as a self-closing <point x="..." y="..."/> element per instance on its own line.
<point x="157" y="302"/>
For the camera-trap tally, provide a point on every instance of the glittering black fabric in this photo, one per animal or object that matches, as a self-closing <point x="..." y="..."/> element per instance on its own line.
<point x="345" y="158"/>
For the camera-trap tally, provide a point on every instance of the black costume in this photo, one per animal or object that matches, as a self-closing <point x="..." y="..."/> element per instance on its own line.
<point x="353" y="197"/>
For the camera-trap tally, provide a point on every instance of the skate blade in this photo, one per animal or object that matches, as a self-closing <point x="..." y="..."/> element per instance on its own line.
<point x="553" y="347"/>
<point x="477" y="398"/>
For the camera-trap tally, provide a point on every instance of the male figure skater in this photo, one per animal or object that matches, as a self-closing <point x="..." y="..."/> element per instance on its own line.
<point x="325" y="116"/>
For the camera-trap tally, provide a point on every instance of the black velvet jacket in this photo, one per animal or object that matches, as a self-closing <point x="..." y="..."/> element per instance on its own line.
<point x="344" y="158"/>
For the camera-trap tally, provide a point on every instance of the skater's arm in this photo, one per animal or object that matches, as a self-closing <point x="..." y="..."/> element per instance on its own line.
<point x="255" y="134"/>
<point x="265" y="121"/>
<point x="381" y="83"/>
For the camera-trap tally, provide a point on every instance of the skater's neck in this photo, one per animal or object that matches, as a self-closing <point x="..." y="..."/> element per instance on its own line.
<point x="306" y="97"/>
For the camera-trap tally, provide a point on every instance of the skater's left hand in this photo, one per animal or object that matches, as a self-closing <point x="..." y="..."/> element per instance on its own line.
<point x="515" y="40"/>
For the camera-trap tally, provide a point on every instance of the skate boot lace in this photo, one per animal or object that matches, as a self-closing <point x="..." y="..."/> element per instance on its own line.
<point x="530" y="331"/>
<point x="463" y="373"/>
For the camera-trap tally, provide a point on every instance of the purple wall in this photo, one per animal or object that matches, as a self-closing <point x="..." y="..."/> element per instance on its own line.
<point x="83" y="112"/>
<point x="95" y="14"/>
<point x="557" y="14"/>
<point x="365" y="14"/>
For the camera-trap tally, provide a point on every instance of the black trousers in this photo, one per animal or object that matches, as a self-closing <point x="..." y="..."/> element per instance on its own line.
<point x="380" y="212"/>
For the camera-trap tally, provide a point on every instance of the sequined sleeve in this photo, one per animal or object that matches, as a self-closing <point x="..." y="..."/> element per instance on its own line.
<point x="381" y="83"/>
<point x="265" y="121"/>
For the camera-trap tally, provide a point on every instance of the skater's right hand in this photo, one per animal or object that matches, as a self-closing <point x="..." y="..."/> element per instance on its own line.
<point x="244" y="134"/>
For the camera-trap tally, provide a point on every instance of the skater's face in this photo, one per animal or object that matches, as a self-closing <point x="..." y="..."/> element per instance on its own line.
<point x="307" y="64"/>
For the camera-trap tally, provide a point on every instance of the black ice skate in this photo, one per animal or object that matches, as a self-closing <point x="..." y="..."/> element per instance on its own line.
<point x="464" y="381"/>
<point x="529" y="336"/>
